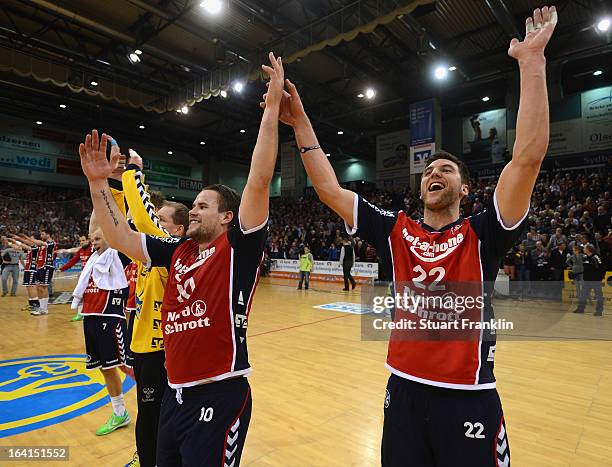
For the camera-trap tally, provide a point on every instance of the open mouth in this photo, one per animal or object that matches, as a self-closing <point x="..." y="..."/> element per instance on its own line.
<point x="435" y="186"/>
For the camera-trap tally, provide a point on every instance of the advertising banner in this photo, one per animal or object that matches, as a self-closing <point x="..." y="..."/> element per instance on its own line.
<point x="189" y="184"/>
<point x="419" y="155"/>
<point x="422" y="122"/>
<point x="170" y="168"/>
<point x="161" y="180"/>
<point x="324" y="270"/>
<point x="28" y="162"/>
<point x="484" y="134"/>
<point x="597" y="119"/>
<point x="393" y="159"/>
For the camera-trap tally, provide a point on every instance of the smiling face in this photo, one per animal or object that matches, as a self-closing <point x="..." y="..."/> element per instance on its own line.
<point x="205" y="221"/>
<point x="441" y="185"/>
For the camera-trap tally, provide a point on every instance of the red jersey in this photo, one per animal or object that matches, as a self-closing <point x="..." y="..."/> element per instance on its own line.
<point x="207" y="302"/>
<point x="458" y="263"/>
<point x="104" y="302"/>
<point x="46" y="255"/>
<point x="81" y="254"/>
<point x="131" y="273"/>
<point x="31" y="258"/>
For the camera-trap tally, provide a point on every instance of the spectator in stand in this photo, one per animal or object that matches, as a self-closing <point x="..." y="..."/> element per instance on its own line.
<point x="530" y="242"/>
<point x="10" y="258"/>
<point x="539" y="261"/>
<point x="602" y="221"/>
<point x="594" y="273"/>
<point x="334" y="253"/>
<point x="557" y="238"/>
<point x="510" y="264"/>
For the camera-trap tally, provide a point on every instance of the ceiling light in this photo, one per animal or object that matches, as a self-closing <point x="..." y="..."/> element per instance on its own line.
<point x="141" y="127"/>
<point x="441" y="72"/>
<point x="62" y="106"/>
<point x="328" y="155"/>
<point x="223" y="94"/>
<point x="138" y="52"/>
<point x="242" y="131"/>
<point x="185" y="109"/>
<point x="360" y="95"/>
<point x="202" y="143"/>
<point x="604" y="24"/>
<point x="340" y="132"/>
<point x="170" y="152"/>
<point x="432" y="46"/>
<point x="38" y="122"/>
<point x="94" y="83"/>
<point x="370" y="93"/>
<point x="238" y="86"/>
<point x="597" y="72"/>
<point x="134" y="59"/>
<point x="452" y="68"/>
<point x="212" y="6"/>
<point x="485" y="99"/>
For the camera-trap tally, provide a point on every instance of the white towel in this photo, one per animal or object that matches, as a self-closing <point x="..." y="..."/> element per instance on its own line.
<point x="107" y="272"/>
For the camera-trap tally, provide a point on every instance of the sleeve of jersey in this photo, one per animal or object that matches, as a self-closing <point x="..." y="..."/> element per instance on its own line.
<point x="372" y="224"/>
<point x="71" y="262"/>
<point x="139" y="203"/>
<point x="116" y="188"/>
<point x="159" y="250"/>
<point x="495" y="236"/>
<point x="249" y="244"/>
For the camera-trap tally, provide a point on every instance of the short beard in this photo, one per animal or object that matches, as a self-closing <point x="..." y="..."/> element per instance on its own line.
<point x="201" y="235"/>
<point x="448" y="199"/>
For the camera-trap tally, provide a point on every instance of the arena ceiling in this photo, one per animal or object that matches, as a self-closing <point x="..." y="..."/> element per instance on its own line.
<point x="52" y="50"/>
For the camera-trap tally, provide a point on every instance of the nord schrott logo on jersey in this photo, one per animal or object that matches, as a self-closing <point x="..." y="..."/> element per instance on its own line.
<point x="187" y="317"/>
<point x="433" y="251"/>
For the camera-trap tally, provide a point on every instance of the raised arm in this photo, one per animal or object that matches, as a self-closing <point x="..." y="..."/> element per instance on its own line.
<point x="108" y="216"/>
<point x="315" y="161"/>
<point x="518" y="178"/>
<point x="254" y="205"/>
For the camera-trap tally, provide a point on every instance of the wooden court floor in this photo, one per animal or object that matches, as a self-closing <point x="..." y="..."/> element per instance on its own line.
<point x="318" y="389"/>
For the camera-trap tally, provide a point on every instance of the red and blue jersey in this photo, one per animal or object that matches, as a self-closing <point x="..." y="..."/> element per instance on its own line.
<point x="460" y="259"/>
<point x="207" y="302"/>
<point x="46" y="255"/>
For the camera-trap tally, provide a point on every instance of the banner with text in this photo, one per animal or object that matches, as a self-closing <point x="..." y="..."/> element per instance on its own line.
<point x="324" y="270"/>
<point x="485" y="137"/>
<point x="392" y="159"/>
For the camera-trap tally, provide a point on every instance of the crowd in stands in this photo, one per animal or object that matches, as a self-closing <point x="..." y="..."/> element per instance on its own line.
<point x="571" y="208"/>
<point x="566" y="208"/>
<point x="25" y="208"/>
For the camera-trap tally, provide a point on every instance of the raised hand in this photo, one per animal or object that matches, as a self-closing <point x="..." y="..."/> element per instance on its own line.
<point x="538" y="31"/>
<point x="276" y="73"/>
<point x="93" y="157"/>
<point x="291" y="107"/>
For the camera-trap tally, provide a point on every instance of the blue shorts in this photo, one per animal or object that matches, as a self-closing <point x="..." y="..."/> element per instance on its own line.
<point x="29" y="278"/>
<point x="208" y="428"/>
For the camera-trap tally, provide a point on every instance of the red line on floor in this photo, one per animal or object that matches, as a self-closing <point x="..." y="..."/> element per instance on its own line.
<point x="299" y="325"/>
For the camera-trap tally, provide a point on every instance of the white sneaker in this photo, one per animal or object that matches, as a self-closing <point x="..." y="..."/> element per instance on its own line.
<point x="38" y="312"/>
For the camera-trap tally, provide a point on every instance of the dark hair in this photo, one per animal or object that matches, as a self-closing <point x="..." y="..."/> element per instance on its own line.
<point x="463" y="170"/>
<point x="157" y="198"/>
<point x="180" y="215"/>
<point x="229" y="199"/>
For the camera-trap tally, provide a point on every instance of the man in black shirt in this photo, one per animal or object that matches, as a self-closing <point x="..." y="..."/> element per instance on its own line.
<point x="347" y="258"/>
<point x="594" y="272"/>
<point x="557" y="260"/>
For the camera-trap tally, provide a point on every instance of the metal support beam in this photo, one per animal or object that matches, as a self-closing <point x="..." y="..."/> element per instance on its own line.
<point x="504" y="18"/>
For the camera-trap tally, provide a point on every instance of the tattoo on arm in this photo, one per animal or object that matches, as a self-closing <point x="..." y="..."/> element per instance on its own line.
<point x="110" y="208"/>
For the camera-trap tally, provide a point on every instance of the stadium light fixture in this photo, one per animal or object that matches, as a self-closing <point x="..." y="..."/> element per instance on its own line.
<point x="202" y="143"/>
<point x="223" y="94"/>
<point x="604" y="24"/>
<point x="138" y="52"/>
<point x="452" y="68"/>
<point x="212" y="7"/>
<point x="328" y="155"/>
<point x="62" y="106"/>
<point x="242" y="131"/>
<point x="133" y="58"/>
<point x="486" y="99"/>
<point x="94" y="83"/>
<point x="340" y="132"/>
<point x="441" y="72"/>
<point x="170" y="153"/>
<point x="360" y="95"/>
<point x="370" y="93"/>
<point x="142" y="127"/>
<point x="38" y="122"/>
<point x="184" y="110"/>
<point x="597" y="72"/>
<point x="238" y="86"/>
